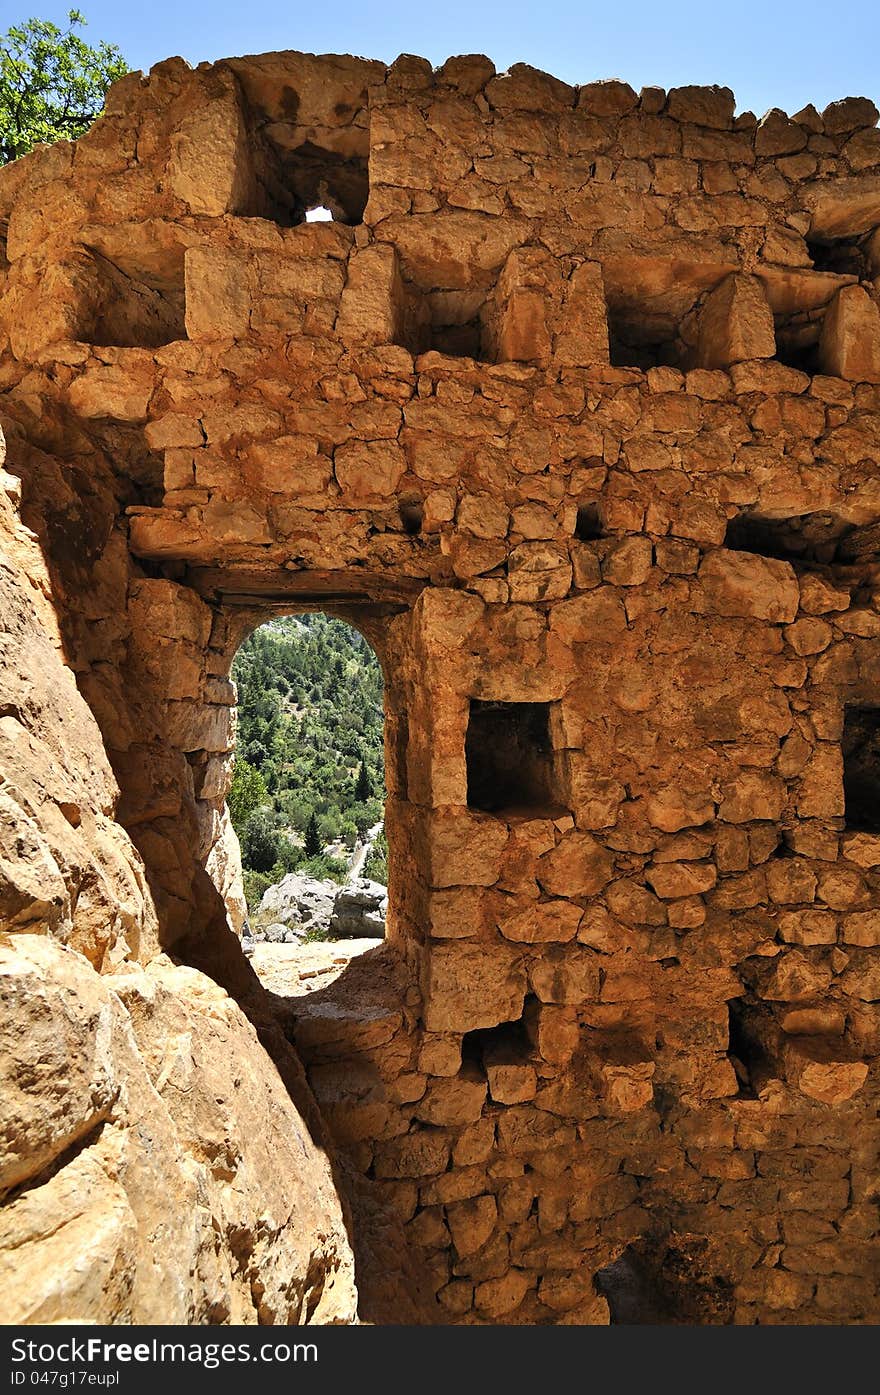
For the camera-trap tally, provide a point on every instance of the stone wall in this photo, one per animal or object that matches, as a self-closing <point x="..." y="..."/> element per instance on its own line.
<point x="574" y="409"/>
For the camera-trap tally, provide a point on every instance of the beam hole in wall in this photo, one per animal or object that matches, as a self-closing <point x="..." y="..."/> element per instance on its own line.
<point x="510" y="758"/>
<point x="507" y="1044"/>
<point x="743" y="1051"/>
<point x="861" y="768"/>
<point x="412" y="512"/>
<point x="588" y="524"/>
<point x="816" y="538"/>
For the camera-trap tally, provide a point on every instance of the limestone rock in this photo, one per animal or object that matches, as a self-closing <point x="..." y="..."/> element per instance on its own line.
<point x="736" y="323"/>
<point x="359" y="910"/>
<point x="850" y="342"/>
<point x="304" y="904"/>
<point x="127" y="1157"/>
<point x="739" y="583"/>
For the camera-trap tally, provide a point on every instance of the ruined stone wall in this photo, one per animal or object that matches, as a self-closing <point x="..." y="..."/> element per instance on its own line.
<point x="574" y="409"/>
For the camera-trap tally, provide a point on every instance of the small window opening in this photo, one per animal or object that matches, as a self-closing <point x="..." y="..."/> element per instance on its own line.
<point x="307" y="183"/>
<point x="510" y="764"/>
<point x="861" y="768"/>
<point x="588" y="526"/>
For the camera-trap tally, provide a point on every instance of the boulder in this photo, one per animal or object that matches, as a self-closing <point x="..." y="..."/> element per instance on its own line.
<point x="359" y="911"/>
<point x="140" y="1183"/>
<point x="297" y="903"/>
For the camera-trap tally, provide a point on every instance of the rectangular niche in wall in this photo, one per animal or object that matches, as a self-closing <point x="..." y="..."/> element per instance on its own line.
<point x="451" y="322"/>
<point x="861" y="768"/>
<point x="510" y="764"/>
<point x="651" y="305"/>
<point x="306" y="137"/>
<point x="132" y="297"/>
<point x="843" y="256"/>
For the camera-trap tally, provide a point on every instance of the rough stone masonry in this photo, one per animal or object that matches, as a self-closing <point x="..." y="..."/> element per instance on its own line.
<point x="574" y="410"/>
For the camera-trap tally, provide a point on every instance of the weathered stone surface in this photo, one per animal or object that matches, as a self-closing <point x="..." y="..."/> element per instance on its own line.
<point x="359" y="910"/>
<point x="739" y="583"/>
<point x="126" y="1198"/>
<point x="470" y="987"/>
<point x="850" y="342"/>
<point x="736" y="323"/>
<point x="526" y="412"/>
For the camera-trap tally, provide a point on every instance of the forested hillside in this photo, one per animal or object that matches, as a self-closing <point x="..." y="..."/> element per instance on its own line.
<point x="309" y="768"/>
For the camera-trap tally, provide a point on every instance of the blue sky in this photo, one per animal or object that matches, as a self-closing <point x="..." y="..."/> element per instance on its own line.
<point x="771" y="52"/>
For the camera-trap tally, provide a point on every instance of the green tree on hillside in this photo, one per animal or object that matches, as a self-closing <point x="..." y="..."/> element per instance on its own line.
<point x="259" y="842"/>
<point x="363" y="789"/>
<point x="52" y="83"/>
<point x="313" y="843"/>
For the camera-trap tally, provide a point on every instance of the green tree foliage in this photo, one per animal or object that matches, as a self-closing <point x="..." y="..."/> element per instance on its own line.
<point x="247" y="794"/>
<point x="52" y="83"/>
<point x="376" y="865"/>
<point x="313" y="842"/>
<point x="363" y="788"/>
<point x="259" y="842"/>
<point x="311" y="730"/>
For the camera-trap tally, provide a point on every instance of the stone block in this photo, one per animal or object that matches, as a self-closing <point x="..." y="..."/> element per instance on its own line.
<point x="371" y="309"/>
<point x="735" y="324"/>
<point x="743" y="584"/>
<point x="849" y="345"/>
<point x="467" y="987"/>
<point x="567" y="976"/>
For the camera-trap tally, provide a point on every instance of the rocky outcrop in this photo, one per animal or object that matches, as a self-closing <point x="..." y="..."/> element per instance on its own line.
<point x="359" y="911"/>
<point x="300" y="905"/>
<point x="153" y="1167"/>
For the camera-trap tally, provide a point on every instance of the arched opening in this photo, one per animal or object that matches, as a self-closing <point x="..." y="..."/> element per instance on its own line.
<point x="308" y="786"/>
